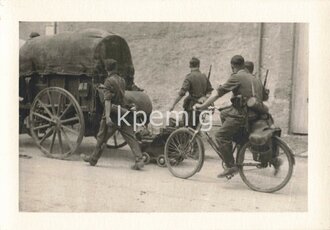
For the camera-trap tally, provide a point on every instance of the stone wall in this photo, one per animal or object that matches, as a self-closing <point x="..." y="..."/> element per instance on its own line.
<point x="277" y="56"/>
<point x="161" y="52"/>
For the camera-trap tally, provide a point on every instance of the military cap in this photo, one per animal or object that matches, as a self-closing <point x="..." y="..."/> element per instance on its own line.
<point x="237" y="60"/>
<point x="194" y="62"/>
<point x="110" y="64"/>
<point x="34" y="34"/>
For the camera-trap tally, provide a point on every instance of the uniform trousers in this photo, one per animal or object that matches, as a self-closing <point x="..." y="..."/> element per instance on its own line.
<point x="106" y="132"/>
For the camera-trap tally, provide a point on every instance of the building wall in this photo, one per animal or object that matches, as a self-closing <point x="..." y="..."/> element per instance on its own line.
<point x="161" y="53"/>
<point x="277" y="56"/>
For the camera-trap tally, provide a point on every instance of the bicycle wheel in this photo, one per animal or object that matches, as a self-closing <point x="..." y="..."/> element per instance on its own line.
<point x="264" y="177"/>
<point x="183" y="156"/>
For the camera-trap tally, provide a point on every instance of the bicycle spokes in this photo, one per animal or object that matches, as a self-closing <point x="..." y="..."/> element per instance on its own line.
<point x="183" y="154"/>
<point x="266" y="176"/>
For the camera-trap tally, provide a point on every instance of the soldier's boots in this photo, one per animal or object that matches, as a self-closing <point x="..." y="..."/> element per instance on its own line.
<point x="277" y="162"/>
<point x="89" y="159"/>
<point x="228" y="171"/>
<point x="92" y="159"/>
<point x="139" y="164"/>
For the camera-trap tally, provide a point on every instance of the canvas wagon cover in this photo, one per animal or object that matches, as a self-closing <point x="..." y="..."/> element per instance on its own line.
<point x="74" y="53"/>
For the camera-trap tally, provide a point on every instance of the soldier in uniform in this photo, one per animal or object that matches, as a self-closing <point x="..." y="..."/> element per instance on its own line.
<point x="114" y="92"/>
<point x="249" y="65"/>
<point x="199" y="88"/>
<point x="237" y="115"/>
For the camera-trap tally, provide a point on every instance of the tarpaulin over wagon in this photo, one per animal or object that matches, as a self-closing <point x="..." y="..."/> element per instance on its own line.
<point x="76" y="53"/>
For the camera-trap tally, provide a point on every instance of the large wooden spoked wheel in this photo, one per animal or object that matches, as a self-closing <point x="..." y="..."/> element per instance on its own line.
<point x="56" y="122"/>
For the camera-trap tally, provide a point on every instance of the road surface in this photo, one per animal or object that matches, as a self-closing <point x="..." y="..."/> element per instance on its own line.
<point x="49" y="185"/>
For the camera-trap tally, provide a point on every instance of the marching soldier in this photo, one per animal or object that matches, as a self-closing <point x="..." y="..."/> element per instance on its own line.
<point x="199" y="88"/>
<point x="114" y="93"/>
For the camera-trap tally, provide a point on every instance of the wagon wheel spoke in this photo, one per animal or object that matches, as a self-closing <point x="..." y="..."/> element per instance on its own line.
<point x="42" y="116"/>
<point x="52" y="143"/>
<point x="45" y="136"/>
<point x="45" y="108"/>
<point x="70" y="119"/>
<point x="42" y="126"/>
<point x="115" y="139"/>
<point x="51" y="102"/>
<point x="67" y="139"/>
<point x="70" y="130"/>
<point x="60" y="140"/>
<point x="66" y="110"/>
<point x="59" y="104"/>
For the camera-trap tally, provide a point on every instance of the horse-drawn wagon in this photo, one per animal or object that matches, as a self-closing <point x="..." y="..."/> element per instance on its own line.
<point x="59" y="84"/>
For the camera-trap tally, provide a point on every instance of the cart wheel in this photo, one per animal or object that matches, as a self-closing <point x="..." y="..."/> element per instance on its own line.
<point x="161" y="161"/>
<point x="56" y="122"/>
<point x="116" y="141"/>
<point x="146" y="158"/>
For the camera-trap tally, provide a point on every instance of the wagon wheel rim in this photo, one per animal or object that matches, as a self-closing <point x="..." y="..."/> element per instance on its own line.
<point x="116" y="141"/>
<point x="57" y="115"/>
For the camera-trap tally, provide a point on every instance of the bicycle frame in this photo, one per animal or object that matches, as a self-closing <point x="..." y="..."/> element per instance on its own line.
<point x="209" y="139"/>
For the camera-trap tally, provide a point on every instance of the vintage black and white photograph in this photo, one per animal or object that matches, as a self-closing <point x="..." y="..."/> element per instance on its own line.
<point x="160" y="114"/>
<point x="163" y="116"/>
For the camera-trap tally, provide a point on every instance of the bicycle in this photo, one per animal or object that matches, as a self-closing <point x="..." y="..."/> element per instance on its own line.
<point x="184" y="157"/>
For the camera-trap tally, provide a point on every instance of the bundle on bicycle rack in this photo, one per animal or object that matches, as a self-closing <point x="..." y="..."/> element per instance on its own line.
<point x="261" y="142"/>
<point x="262" y="153"/>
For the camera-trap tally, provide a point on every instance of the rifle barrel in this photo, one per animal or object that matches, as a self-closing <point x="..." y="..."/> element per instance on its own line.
<point x="208" y="77"/>
<point x="266" y="77"/>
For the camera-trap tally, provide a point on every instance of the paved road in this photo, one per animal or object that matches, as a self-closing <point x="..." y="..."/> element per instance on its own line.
<point x="74" y="186"/>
